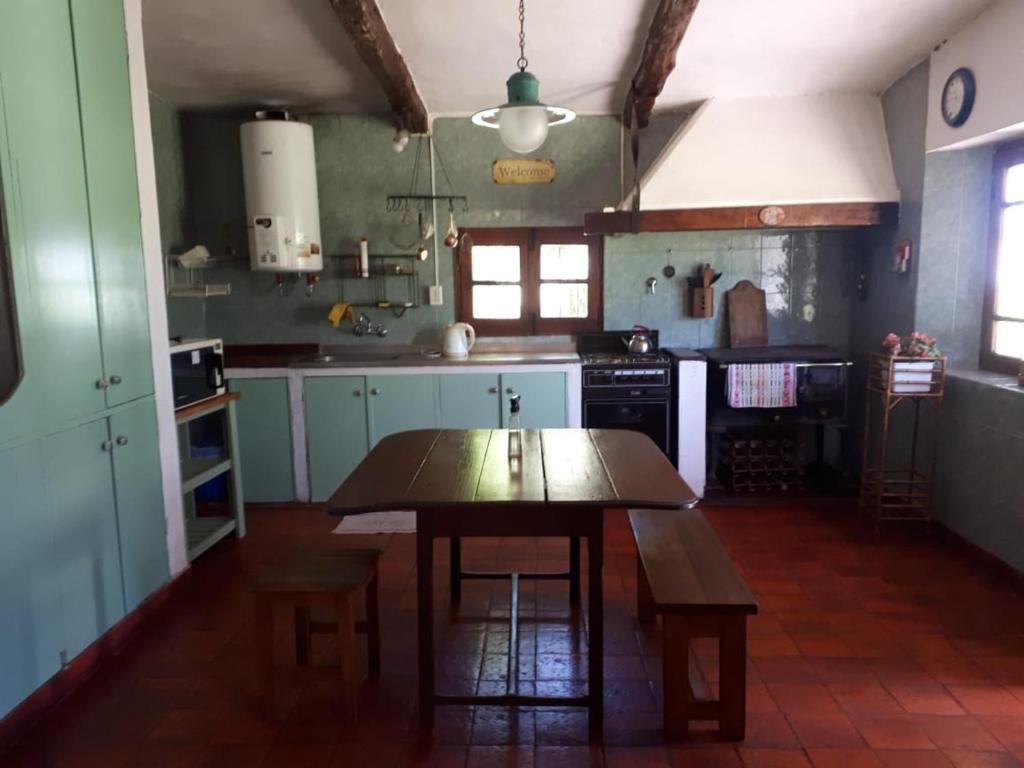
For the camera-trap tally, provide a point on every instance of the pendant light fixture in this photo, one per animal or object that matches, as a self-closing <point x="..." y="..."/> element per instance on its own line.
<point x="523" y="121"/>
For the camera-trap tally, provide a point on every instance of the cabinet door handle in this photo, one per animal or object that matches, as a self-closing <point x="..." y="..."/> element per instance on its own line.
<point x="107" y="446"/>
<point x="510" y="390"/>
<point x="122" y="440"/>
<point x="375" y="391"/>
<point x="493" y="390"/>
<point x="115" y="379"/>
<point x="358" y="393"/>
<point x="102" y="384"/>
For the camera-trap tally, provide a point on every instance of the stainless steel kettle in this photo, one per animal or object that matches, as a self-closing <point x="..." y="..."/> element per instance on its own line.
<point x="640" y="343"/>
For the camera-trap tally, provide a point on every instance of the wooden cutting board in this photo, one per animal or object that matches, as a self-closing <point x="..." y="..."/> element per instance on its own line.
<point x="748" y="315"/>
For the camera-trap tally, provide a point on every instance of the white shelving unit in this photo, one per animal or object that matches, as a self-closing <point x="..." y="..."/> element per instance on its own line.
<point x="202" y="532"/>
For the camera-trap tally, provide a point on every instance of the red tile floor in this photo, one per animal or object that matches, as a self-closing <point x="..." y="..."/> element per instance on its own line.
<point x="888" y="653"/>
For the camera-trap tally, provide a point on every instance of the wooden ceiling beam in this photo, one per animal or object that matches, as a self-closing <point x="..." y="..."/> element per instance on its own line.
<point x="659" y="56"/>
<point x="743" y="217"/>
<point x="364" y="23"/>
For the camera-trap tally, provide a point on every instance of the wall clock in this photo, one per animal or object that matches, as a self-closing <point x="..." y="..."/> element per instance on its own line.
<point x="958" y="97"/>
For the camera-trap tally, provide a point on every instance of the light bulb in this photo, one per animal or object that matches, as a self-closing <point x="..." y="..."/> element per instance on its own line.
<point x="523" y="129"/>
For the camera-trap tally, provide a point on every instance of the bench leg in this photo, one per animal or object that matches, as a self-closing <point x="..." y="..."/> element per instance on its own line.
<point x="302" y="635"/>
<point x="346" y="652"/>
<point x="373" y="627"/>
<point x="732" y="655"/>
<point x="676" y="676"/>
<point x="644" y="598"/>
<point x="265" y="635"/>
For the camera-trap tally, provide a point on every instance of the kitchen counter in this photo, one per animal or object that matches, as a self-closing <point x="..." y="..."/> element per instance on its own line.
<point x="310" y="357"/>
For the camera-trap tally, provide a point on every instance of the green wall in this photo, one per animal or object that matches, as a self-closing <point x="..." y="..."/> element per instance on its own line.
<point x="186" y="317"/>
<point x="807" y="274"/>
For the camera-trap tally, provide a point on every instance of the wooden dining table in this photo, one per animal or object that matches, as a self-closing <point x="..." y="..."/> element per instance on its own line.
<point x="462" y="483"/>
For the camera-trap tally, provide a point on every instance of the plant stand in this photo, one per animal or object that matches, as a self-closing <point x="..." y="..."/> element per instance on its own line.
<point x="889" y="492"/>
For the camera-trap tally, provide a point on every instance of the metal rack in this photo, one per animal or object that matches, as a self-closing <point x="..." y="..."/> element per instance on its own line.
<point x="889" y="493"/>
<point x="384" y="268"/>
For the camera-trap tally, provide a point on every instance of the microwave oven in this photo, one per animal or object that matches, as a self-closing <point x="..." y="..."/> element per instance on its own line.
<point x="197" y="371"/>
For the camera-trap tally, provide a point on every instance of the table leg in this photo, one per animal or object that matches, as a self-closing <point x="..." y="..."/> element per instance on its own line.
<point x="595" y="596"/>
<point x="455" y="568"/>
<point x="574" y="571"/>
<point x="425" y="616"/>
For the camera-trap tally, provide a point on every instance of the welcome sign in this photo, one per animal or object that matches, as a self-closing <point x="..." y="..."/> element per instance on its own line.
<point x="523" y="171"/>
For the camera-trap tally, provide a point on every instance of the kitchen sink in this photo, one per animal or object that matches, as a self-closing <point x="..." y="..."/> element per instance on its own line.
<point x="348" y="358"/>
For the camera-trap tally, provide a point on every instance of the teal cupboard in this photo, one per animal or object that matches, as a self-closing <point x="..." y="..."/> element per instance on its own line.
<point x="84" y="540"/>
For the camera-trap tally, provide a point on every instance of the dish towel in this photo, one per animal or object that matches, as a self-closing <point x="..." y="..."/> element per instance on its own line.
<point x="378" y="522"/>
<point x="762" y="385"/>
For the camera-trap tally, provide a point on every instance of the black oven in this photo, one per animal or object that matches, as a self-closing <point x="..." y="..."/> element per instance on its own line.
<point x="641" y="410"/>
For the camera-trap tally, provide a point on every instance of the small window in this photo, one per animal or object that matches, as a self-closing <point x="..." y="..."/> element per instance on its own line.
<point x="10" y="363"/>
<point x="1003" y="341"/>
<point x="530" y="281"/>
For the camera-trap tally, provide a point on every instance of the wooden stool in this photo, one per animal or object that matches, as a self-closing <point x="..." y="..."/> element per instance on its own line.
<point x="304" y="581"/>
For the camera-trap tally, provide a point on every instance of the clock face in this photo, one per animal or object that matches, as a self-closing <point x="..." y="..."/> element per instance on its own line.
<point x="958" y="97"/>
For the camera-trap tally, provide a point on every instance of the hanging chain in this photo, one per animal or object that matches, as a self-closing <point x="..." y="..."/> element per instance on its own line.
<point x="522" y="37"/>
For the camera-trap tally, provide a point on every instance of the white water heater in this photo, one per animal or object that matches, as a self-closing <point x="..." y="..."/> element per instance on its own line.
<point x="281" y="201"/>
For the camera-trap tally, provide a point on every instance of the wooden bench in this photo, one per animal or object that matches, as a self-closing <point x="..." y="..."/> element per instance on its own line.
<point x="685" y="575"/>
<point x="316" y="578"/>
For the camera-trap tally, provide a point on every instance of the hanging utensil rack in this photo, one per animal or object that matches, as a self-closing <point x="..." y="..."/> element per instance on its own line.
<point x="424" y="203"/>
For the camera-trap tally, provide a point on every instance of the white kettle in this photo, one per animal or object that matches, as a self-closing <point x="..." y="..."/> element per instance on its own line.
<point x="459" y="338"/>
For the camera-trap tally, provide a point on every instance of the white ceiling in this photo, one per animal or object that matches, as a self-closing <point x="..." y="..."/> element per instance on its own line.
<point x="204" y="54"/>
<point x="229" y="53"/>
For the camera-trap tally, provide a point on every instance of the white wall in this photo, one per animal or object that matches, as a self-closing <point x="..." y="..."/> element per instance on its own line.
<point x="805" y="149"/>
<point x="992" y="46"/>
<point x="155" y="293"/>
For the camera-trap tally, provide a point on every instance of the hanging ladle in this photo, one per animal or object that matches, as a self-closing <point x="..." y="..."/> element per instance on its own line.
<point x="451" y="237"/>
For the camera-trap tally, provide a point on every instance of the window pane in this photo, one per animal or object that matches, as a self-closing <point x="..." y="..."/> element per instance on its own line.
<point x="1014" y="190"/>
<point x="563" y="300"/>
<point x="496" y="264"/>
<point x="497" y="302"/>
<point x="564" y="261"/>
<point x="1008" y="339"/>
<point x="1010" y="264"/>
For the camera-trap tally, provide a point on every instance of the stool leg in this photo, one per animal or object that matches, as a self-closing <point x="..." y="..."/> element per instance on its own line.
<point x="373" y="627"/>
<point x="733" y="677"/>
<point x="574" y="571"/>
<point x="265" y="635"/>
<point x="346" y="652"/>
<point x="455" y="568"/>
<point x="302" y="635"/>
<point x="644" y="599"/>
<point x="676" y="676"/>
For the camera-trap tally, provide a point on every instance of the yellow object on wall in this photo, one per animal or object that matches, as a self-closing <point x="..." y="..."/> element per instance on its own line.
<point x="340" y="311"/>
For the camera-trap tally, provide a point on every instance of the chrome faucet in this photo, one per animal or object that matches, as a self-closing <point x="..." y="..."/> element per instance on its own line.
<point x="364" y="326"/>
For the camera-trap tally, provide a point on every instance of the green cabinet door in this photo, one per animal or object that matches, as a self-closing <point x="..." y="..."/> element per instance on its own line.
<point x="265" y="439"/>
<point x="80" y="486"/>
<point x="142" y="528"/>
<point x="101" y="55"/>
<point x="398" y="403"/>
<point x="336" y="431"/>
<point x="470" y="401"/>
<point x="542" y="398"/>
<point x="44" y="185"/>
<point x="30" y="622"/>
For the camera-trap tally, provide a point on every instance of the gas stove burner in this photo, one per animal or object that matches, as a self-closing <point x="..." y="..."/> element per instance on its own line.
<point x="611" y="358"/>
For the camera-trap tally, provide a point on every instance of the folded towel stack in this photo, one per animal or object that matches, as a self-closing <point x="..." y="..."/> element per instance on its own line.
<point x="771" y="385"/>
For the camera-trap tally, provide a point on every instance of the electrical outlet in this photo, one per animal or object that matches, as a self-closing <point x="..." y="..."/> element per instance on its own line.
<point x="436" y="296"/>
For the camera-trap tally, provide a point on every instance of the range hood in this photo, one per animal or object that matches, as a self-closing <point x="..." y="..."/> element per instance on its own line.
<point x="773" y="152"/>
